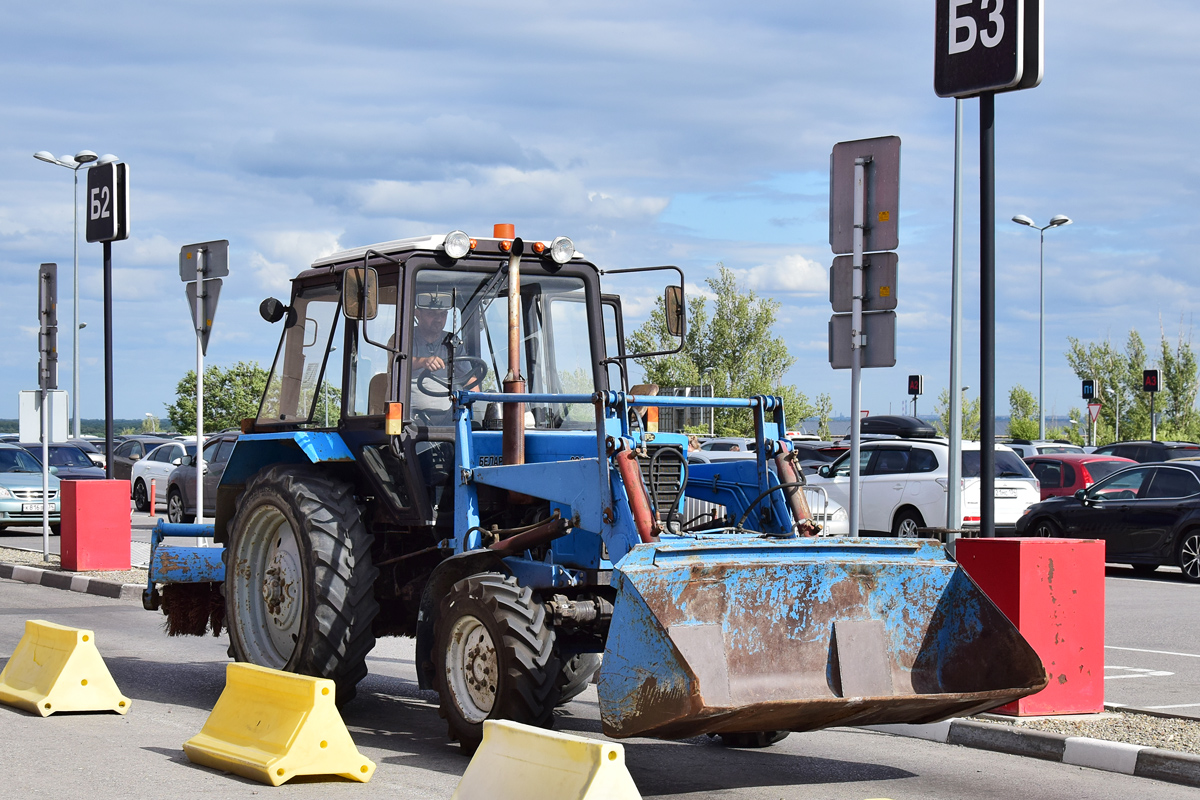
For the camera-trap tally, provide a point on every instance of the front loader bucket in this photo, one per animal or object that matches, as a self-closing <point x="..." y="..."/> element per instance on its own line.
<point x="741" y="633"/>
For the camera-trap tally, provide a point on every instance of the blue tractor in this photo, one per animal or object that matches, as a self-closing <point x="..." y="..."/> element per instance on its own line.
<point x="525" y="525"/>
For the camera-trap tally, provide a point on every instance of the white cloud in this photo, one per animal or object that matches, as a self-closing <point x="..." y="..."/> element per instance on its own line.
<point x="792" y="274"/>
<point x="288" y="254"/>
<point x="515" y="192"/>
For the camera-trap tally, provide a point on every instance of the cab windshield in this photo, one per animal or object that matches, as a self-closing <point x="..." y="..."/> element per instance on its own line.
<point x="459" y="340"/>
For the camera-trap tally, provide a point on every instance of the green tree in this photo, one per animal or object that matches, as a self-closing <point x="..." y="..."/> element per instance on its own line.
<point x="1022" y="414"/>
<point x="823" y="411"/>
<point x="970" y="416"/>
<point x="734" y="351"/>
<point x="230" y="395"/>
<point x="1118" y="379"/>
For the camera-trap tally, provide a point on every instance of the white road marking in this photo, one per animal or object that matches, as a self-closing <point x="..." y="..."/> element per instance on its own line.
<point x="1156" y="652"/>
<point x="1137" y="672"/>
<point x="1181" y="705"/>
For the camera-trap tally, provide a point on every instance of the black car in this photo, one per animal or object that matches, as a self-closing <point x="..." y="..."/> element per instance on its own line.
<point x="1150" y="452"/>
<point x="73" y="464"/>
<point x="134" y="448"/>
<point x="1148" y="515"/>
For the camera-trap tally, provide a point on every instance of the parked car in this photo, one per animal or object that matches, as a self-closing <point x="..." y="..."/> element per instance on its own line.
<point x="904" y="484"/>
<point x="1063" y="474"/>
<point x="1149" y="452"/>
<point x="181" y="483"/>
<point x="1147" y="514"/>
<point x="71" y="462"/>
<point x="156" y="468"/>
<point x="21" y="489"/>
<point x="94" y="453"/>
<point x="1026" y="448"/>
<point x="133" y="449"/>
<point x="728" y="444"/>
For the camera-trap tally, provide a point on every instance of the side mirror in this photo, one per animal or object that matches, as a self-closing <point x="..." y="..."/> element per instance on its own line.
<point x="675" y="311"/>
<point x="135" y="457"/>
<point x="272" y="310"/>
<point x="1081" y="496"/>
<point x="360" y="293"/>
<point x="823" y="470"/>
<point x="177" y="462"/>
<point x="54" y="470"/>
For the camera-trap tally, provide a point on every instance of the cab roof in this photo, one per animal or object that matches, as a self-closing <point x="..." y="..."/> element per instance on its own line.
<point x="486" y="246"/>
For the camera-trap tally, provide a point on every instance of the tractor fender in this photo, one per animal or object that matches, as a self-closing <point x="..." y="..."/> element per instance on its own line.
<point x="444" y="576"/>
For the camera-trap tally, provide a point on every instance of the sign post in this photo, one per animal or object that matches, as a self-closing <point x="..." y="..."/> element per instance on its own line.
<point x="47" y="379"/>
<point x="983" y="47"/>
<point x="204" y="263"/>
<point x="1151" y="382"/>
<point x="107" y="222"/>
<point x="864" y="216"/>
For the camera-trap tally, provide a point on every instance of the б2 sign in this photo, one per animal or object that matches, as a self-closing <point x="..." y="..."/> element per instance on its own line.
<point x="107" y="203"/>
<point x="987" y="46"/>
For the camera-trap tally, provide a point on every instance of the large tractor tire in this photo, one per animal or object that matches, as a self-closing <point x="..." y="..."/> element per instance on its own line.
<point x="299" y="578"/>
<point x="494" y="657"/>
<point x="577" y="672"/>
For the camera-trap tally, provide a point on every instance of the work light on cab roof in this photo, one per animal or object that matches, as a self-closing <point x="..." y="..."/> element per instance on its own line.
<point x="458" y="244"/>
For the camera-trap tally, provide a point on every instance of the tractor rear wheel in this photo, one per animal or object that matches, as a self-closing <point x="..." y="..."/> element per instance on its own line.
<point x="299" y="580"/>
<point x="494" y="657"/>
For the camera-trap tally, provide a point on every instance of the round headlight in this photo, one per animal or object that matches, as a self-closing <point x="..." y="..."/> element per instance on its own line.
<point x="458" y="244"/>
<point x="562" y="250"/>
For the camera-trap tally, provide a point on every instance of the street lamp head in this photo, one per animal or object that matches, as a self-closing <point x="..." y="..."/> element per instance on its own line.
<point x="67" y="161"/>
<point x="82" y="325"/>
<point x="1021" y="219"/>
<point x="45" y="155"/>
<point x="1059" y="219"/>
<point x="85" y="157"/>
<point x="107" y="158"/>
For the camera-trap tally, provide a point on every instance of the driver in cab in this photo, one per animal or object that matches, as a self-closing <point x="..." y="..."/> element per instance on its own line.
<point x="430" y="343"/>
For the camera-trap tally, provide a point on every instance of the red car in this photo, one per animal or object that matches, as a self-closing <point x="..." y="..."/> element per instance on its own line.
<point x="1063" y="474"/>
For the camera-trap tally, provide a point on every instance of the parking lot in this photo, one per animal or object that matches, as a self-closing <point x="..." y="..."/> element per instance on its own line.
<point x="175" y="682"/>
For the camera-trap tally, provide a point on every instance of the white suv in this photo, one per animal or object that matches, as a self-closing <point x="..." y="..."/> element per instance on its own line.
<point x="904" y="484"/>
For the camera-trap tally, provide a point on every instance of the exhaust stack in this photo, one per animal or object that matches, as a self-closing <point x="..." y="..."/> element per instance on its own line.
<point x="514" y="413"/>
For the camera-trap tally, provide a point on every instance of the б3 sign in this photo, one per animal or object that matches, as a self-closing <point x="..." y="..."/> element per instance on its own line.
<point x="107" y="203"/>
<point x="987" y="46"/>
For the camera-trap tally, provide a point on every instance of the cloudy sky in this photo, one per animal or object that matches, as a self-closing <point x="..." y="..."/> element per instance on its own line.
<point x="675" y="132"/>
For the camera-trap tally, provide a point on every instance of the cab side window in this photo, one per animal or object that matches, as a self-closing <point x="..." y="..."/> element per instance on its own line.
<point x="223" y="452"/>
<point x="890" y="462"/>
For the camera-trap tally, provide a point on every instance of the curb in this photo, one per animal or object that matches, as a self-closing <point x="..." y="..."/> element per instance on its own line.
<point x="72" y="582"/>
<point x="1079" y="751"/>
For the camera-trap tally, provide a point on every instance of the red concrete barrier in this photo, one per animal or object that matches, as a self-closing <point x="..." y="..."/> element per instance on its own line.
<point x="1053" y="591"/>
<point x="96" y="530"/>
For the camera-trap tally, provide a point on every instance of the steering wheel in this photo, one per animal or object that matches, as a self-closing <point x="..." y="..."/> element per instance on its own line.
<point x="477" y="368"/>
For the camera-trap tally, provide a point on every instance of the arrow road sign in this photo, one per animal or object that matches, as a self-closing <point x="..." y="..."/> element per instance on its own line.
<point x="212" y="291"/>
<point x="216" y="260"/>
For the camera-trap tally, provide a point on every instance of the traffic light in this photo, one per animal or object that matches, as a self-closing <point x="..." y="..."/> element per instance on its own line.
<point x="1151" y="380"/>
<point x="1089" y="390"/>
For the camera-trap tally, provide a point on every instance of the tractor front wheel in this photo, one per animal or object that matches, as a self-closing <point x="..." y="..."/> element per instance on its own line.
<point x="494" y="657"/>
<point x="299" y="578"/>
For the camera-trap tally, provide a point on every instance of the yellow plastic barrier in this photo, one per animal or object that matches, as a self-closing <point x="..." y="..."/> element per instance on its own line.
<point x="56" y="668"/>
<point x="271" y="726"/>
<point x="520" y="761"/>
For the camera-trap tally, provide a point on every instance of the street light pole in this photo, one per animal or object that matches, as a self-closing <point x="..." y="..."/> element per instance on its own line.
<point x="75" y="163"/>
<point x="1055" y="221"/>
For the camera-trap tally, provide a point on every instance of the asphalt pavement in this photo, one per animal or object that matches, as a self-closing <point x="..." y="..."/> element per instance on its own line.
<point x="175" y="682"/>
